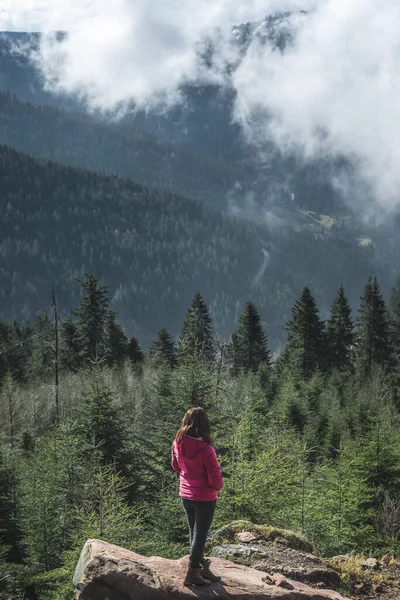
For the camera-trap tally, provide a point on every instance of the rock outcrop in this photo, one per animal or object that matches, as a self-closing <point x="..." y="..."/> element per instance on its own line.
<point x="107" y="572"/>
<point x="273" y="551"/>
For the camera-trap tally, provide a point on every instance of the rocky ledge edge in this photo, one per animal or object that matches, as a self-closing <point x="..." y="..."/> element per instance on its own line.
<point x="108" y="572"/>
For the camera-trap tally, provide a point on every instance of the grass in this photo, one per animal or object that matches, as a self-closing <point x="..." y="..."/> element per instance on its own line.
<point x="354" y="575"/>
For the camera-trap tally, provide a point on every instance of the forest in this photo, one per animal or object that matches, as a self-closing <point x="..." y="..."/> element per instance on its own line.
<point x="155" y="248"/>
<point x="308" y="439"/>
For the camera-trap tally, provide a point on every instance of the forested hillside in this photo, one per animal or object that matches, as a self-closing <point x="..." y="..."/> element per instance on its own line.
<point x="200" y="150"/>
<point x="155" y="249"/>
<point x="80" y="140"/>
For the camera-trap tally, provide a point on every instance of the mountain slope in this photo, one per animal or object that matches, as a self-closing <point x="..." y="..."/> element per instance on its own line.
<point x="154" y="249"/>
<point x="202" y="124"/>
<point x="83" y="141"/>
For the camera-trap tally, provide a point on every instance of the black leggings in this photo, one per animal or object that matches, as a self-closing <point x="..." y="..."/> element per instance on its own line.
<point x="199" y="516"/>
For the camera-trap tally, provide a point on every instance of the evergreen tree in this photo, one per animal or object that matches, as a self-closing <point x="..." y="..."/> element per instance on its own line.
<point x="134" y="351"/>
<point x="52" y="488"/>
<point x="305" y="344"/>
<point x="339" y="333"/>
<point x="192" y="384"/>
<point x="13" y="355"/>
<point x="394" y="299"/>
<point x="250" y="341"/>
<point x="373" y="333"/>
<point x="70" y="351"/>
<point x="99" y="422"/>
<point x="115" y="341"/>
<point x="41" y="361"/>
<point x="395" y="332"/>
<point x="9" y="534"/>
<point x="197" y="337"/>
<point x="163" y="349"/>
<point x="92" y="314"/>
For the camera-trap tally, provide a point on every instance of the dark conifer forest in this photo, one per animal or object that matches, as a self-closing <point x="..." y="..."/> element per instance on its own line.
<point x="154" y="248"/>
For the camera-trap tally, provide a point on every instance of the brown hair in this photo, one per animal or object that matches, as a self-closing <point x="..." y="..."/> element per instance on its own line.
<point x="196" y="424"/>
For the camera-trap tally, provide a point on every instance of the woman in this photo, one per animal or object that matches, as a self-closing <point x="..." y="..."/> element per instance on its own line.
<point x="200" y="477"/>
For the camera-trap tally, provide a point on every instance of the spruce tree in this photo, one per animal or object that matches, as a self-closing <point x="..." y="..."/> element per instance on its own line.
<point x="100" y="423"/>
<point x="163" y="349"/>
<point x="373" y="333"/>
<point x="197" y="337"/>
<point x="134" y="351"/>
<point x="92" y="314"/>
<point x="115" y="341"/>
<point x="41" y="361"/>
<point x="250" y="346"/>
<point x="394" y="299"/>
<point x="9" y="532"/>
<point x="13" y="351"/>
<point x="70" y="351"/>
<point x="340" y="334"/>
<point x="395" y="332"/>
<point x="305" y="344"/>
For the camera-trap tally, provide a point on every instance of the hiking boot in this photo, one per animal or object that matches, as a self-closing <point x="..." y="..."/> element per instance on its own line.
<point x="193" y="577"/>
<point x="206" y="573"/>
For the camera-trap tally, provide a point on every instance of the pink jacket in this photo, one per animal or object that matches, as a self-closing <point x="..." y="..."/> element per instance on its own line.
<point x="199" y="472"/>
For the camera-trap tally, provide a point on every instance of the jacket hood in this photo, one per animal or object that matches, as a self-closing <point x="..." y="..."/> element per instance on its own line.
<point x="189" y="446"/>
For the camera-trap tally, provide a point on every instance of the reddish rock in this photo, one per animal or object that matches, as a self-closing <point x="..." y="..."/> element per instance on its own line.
<point x="370" y="563"/>
<point x="107" y="572"/>
<point x="282" y="582"/>
<point x="246" y="537"/>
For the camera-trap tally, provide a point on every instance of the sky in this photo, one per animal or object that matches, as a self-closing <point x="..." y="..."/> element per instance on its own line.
<point x="335" y="91"/>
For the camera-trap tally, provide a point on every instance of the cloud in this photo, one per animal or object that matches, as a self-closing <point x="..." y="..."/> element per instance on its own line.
<point x="333" y="92"/>
<point x="137" y="50"/>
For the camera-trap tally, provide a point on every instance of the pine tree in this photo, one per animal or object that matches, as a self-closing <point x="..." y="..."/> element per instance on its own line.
<point x="41" y="361"/>
<point x="394" y="299"/>
<point x="134" y="351"/>
<point x="100" y="423"/>
<point x="70" y="352"/>
<point x="115" y="341"/>
<point x="52" y="488"/>
<point x="340" y="333"/>
<point x="197" y="337"/>
<point x="395" y="332"/>
<point x="92" y="314"/>
<point x="192" y="385"/>
<point x="163" y="349"/>
<point x="372" y="334"/>
<point x="250" y="344"/>
<point x="13" y="353"/>
<point x="9" y="531"/>
<point x="305" y="345"/>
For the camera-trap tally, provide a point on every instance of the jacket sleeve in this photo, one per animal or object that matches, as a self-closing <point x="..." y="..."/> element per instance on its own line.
<point x="213" y="469"/>
<point x="174" y="460"/>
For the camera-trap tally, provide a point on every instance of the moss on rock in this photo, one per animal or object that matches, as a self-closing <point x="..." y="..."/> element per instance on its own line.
<point x="264" y="533"/>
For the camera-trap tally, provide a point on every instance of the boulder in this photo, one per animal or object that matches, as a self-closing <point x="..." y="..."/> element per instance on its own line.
<point x="246" y="537"/>
<point x="235" y="531"/>
<point x="370" y="563"/>
<point x="269" y="558"/>
<point x="107" y="572"/>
